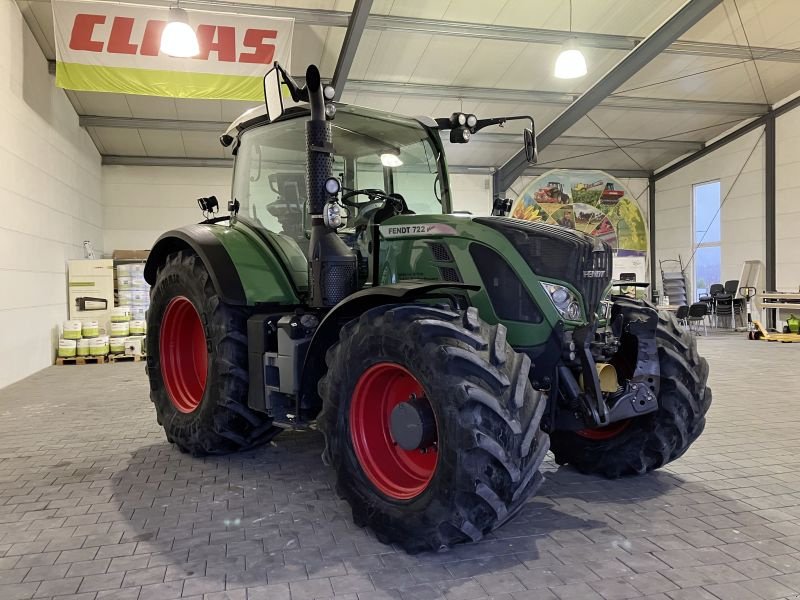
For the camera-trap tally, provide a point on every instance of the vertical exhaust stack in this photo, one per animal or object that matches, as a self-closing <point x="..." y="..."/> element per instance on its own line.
<point x="331" y="263"/>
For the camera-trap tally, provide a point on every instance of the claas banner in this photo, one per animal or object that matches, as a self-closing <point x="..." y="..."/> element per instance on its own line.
<point x="104" y="47"/>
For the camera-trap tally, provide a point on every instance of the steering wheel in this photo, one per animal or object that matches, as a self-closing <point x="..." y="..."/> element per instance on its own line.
<point x="373" y="194"/>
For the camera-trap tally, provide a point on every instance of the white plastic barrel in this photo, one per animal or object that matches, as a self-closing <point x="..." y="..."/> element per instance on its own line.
<point x="117" y="345"/>
<point x="72" y="330"/>
<point x="120" y="329"/>
<point x="83" y="347"/>
<point x="67" y="348"/>
<point x="124" y="297"/>
<point x="90" y="329"/>
<point x="120" y="314"/>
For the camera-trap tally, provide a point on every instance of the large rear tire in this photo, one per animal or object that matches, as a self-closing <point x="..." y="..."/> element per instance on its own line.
<point x="651" y="441"/>
<point x="197" y="363"/>
<point x="484" y="454"/>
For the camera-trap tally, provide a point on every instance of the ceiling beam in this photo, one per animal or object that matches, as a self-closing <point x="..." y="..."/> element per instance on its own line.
<point x="217" y="127"/>
<point x="684" y="146"/>
<point x="177" y="161"/>
<point x="669" y="31"/>
<point x="352" y="37"/>
<point x="164" y="161"/>
<point x="491" y="137"/>
<point x="625" y="43"/>
<point x="420" y="90"/>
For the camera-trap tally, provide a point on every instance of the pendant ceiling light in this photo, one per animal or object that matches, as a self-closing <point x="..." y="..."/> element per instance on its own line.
<point x="570" y="63"/>
<point x="178" y="38"/>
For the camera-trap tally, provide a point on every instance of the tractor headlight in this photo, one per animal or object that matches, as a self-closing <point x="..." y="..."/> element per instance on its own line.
<point x="604" y="312"/>
<point x="332" y="215"/>
<point x="566" y="303"/>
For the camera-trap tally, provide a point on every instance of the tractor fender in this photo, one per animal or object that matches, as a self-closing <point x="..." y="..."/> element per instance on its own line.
<point x="245" y="267"/>
<point x="209" y="248"/>
<point x="351" y="307"/>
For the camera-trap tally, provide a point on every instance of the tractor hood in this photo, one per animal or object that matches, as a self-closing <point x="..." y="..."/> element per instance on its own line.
<point x="551" y="252"/>
<point x="559" y="253"/>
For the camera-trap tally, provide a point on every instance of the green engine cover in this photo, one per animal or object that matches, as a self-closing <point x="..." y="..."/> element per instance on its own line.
<point x="408" y="250"/>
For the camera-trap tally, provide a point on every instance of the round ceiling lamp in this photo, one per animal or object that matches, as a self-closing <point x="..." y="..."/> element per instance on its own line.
<point x="178" y="38"/>
<point x="570" y="63"/>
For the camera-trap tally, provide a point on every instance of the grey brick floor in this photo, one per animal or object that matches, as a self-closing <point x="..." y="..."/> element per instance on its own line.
<point x="95" y="505"/>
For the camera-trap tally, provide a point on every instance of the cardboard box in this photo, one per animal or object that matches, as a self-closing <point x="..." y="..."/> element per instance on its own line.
<point x="90" y="290"/>
<point x="130" y="254"/>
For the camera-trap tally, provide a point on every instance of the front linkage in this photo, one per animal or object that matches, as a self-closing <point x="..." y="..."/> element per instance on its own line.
<point x="617" y="370"/>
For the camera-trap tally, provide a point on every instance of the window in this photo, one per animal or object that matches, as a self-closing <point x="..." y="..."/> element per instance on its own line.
<point x="706" y="242"/>
<point x="270" y="182"/>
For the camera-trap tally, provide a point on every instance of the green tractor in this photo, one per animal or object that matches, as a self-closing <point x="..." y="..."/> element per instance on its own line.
<point x="441" y="355"/>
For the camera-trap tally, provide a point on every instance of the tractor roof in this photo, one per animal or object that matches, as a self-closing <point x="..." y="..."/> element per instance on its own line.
<point x="258" y="116"/>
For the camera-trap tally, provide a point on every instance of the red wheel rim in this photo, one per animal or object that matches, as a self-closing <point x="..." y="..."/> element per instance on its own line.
<point x="397" y="473"/>
<point x="183" y="354"/>
<point x="605" y="433"/>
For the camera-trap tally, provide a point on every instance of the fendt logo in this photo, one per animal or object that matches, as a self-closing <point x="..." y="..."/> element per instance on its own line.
<point x="594" y="274"/>
<point x="94" y="33"/>
<point x="419" y="230"/>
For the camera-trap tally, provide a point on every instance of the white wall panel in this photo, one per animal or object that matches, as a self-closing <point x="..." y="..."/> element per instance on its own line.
<point x="141" y="203"/>
<point x="742" y="224"/>
<point x="50" y="193"/>
<point x="472" y="193"/>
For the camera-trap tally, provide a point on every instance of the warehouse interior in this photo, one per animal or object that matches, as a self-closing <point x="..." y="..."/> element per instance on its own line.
<point x="673" y="152"/>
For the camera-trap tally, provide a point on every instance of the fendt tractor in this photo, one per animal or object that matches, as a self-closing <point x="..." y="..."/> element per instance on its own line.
<point x="441" y="354"/>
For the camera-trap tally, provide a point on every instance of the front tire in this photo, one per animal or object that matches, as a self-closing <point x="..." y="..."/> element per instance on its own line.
<point x="651" y="441"/>
<point x="197" y="363"/>
<point x="483" y="458"/>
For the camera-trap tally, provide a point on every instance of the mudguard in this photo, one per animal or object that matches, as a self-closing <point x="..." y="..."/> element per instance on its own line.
<point x="351" y="307"/>
<point x="245" y="269"/>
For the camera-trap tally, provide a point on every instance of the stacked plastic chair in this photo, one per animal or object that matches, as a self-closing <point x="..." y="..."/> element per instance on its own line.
<point x="727" y="307"/>
<point x="696" y="316"/>
<point x="674" y="283"/>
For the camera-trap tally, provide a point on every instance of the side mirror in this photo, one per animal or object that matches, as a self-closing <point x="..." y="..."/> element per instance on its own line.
<point x="529" y="141"/>
<point x="273" y="95"/>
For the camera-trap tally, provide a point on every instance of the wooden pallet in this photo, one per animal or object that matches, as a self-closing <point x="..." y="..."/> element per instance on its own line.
<point x="125" y="357"/>
<point x="81" y="360"/>
<point x="763" y="334"/>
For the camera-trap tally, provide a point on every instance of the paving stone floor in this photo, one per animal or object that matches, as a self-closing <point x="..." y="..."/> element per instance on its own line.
<point x="95" y="505"/>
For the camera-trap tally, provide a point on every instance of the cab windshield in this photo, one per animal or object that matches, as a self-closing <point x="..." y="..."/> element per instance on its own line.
<point x="270" y="173"/>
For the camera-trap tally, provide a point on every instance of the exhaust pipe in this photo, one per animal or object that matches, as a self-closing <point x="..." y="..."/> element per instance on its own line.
<point x="331" y="263"/>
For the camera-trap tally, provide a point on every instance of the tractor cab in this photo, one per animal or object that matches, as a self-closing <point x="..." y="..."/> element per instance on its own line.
<point x="395" y="157"/>
<point x="380" y="166"/>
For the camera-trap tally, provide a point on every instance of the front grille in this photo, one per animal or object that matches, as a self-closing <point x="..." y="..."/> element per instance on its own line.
<point x="593" y="287"/>
<point x="559" y="253"/>
<point x="510" y="299"/>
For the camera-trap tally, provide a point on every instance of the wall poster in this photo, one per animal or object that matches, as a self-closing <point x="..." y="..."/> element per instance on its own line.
<point x="594" y="203"/>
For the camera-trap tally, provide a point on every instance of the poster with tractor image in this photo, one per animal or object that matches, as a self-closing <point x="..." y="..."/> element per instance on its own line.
<point x="591" y="202"/>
